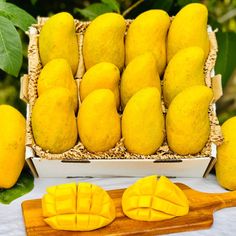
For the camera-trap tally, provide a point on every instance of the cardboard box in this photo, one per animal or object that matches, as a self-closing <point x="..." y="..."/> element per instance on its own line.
<point x="197" y="166"/>
<point x="194" y="167"/>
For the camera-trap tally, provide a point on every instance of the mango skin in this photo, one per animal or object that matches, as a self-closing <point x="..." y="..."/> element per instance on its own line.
<point x="53" y="121"/>
<point x="226" y="156"/>
<point x="148" y="33"/>
<point x="154" y="199"/>
<point x="104" y="40"/>
<point x="102" y="75"/>
<point x="57" y="73"/>
<point x="187" y="121"/>
<point x="58" y="39"/>
<point x="81" y="207"/>
<point x="184" y="70"/>
<point x="12" y="145"/>
<point x="141" y="72"/>
<point x="189" y="28"/>
<point x="143" y="122"/>
<point x="98" y="121"/>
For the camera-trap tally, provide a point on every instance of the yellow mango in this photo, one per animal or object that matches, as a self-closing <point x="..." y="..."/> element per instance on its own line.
<point x="189" y="28"/>
<point x="57" y="73"/>
<point x="102" y="75"/>
<point x="226" y="156"/>
<point x="104" y="40"/>
<point x="187" y="121"/>
<point x="143" y="122"/>
<point x="81" y="207"/>
<point x="154" y="199"/>
<point x="98" y="121"/>
<point x="12" y="145"/>
<point x="185" y="69"/>
<point x="58" y="39"/>
<point x="141" y="72"/>
<point x="53" y="120"/>
<point x="148" y="33"/>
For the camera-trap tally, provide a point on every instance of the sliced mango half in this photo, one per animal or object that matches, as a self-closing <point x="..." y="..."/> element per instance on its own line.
<point x="154" y="199"/>
<point x="81" y="207"/>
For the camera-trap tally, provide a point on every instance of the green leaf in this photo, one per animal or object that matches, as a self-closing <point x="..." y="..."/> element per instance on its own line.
<point x="24" y="185"/>
<point x="10" y="48"/>
<point x="16" y="15"/>
<point x="113" y="4"/>
<point x="226" y="62"/>
<point x="94" y="10"/>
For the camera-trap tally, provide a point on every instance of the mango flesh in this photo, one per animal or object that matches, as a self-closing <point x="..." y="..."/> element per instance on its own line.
<point x="58" y="39"/>
<point x="81" y="207"/>
<point x="226" y="156"/>
<point x="102" y="75"/>
<point x="12" y="145"/>
<point x="187" y="121"/>
<point x="143" y="122"/>
<point x="98" y="121"/>
<point x="53" y="121"/>
<point x="188" y="28"/>
<point x="104" y="40"/>
<point x="148" y="33"/>
<point x="141" y="72"/>
<point x="185" y="69"/>
<point x="57" y="73"/>
<point x="154" y="199"/>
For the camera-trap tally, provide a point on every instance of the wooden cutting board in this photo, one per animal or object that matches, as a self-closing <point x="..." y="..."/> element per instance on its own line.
<point x="202" y="207"/>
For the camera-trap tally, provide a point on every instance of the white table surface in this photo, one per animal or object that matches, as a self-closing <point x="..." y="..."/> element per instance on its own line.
<point x="11" y="220"/>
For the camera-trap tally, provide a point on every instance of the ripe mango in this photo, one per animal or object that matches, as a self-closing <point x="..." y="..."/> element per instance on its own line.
<point x="141" y="72"/>
<point x="188" y="28"/>
<point x="148" y="33"/>
<point x="104" y="40"/>
<point x="187" y="121"/>
<point x="98" y="121"/>
<point x="12" y="145"/>
<point x="81" y="207"/>
<point x="57" y="73"/>
<point x="185" y="69"/>
<point x="53" y="120"/>
<point x="143" y="122"/>
<point x="226" y="156"/>
<point x="154" y="199"/>
<point x="102" y="75"/>
<point x="58" y="39"/>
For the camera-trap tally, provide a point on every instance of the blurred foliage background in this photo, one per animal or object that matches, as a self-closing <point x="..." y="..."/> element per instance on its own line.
<point x="222" y="16"/>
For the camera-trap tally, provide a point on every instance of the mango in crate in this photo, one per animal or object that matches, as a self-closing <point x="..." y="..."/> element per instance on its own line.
<point x="141" y="72"/>
<point x="12" y="145"/>
<point x="185" y="69"/>
<point x="98" y="121"/>
<point x="154" y="199"/>
<point x="104" y="40"/>
<point x="81" y="207"/>
<point x="58" y="39"/>
<point x="148" y="33"/>
<point x="143" y="122"/>
<point x="226" y="156"/>
<point x="53" y="120"/>
<point x="188" y="28"/>
<point x="57" y="73"/>
<point x="102" y="75"/>
<point x="187" y="121"/>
